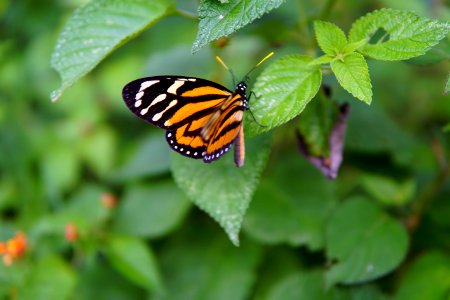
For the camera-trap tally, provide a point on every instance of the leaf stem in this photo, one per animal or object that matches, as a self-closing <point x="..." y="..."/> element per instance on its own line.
<point x="426" y="197"/>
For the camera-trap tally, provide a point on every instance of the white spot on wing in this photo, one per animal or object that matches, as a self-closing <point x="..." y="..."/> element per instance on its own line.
<point x="160" y="98"/>
<point x="158" y="116"/>
<point x="139" y="96"/>
<point x="147" y="84"/>
<point x="138" y="103"/>
<point x="175" y="86"/>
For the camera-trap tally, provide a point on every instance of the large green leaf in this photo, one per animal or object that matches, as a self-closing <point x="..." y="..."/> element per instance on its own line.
<point x="291" y="205"/>
<point x="151" y="211"/>
<point x="387" y="190"/>
<point x="331" y="38"/>
<point x="310" y="285"/>
<point x="404" y="34"/>
<point x="302" y="285"/>
<point x="206" y="266"/>
<point x="365" y="242"/>
<point x="220" y="19"/>
<point x="51" y="278"/>
<point x="96" y="29"/>
<point x="352" y="74"/>
<point x="282" y="92"/>
<point x="221" y="189"/>
<point x="134" y="260"/>
<point x="428" y="277"/>
<point x="151" y="158"/>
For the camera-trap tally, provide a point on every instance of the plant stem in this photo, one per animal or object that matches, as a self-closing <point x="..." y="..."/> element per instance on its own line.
<point x="327" y="9"/>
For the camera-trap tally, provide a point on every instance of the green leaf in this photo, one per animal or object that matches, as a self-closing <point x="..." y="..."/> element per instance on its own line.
<point x="387" y="190"/>
<point x="134" y="260"/>
<point x="98" y="149"/>
<point x="435" y="55"/>
<point x="380" y="135"/>
<point x="331" y="38"/>
<point x="60" y="169"/>
<point x="151" y="211"/>
<point x="352" y="47"/>
<point x="290" y="209"/>
<point x="316" y="124"/>
<point x="151" y="158"/>
<point x="356" y="236"/>
<point x="352" y="74"/>
<point x="310" y="285"/>
<point x="95" y="30"/>
<point x="221" y="189"/>
<point x="282" y="92"/>
<point x="324" y="59"/>
<point x="99" y="274"/>
<point x="221" y="19"/>
<point x="207" y="266"/>
<point x="428" y="277"/>
<point x="404" y="34"/>
<point x="304" y="285"/>
<point x="51" y="278"/>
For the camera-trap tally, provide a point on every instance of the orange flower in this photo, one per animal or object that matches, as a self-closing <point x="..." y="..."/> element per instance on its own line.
<point x="108" y="200"/>
<point x="71" y="232"/>
<point x="13" y="248"/>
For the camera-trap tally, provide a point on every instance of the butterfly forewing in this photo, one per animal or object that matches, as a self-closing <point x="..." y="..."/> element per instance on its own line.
<point x="171" y="101"/>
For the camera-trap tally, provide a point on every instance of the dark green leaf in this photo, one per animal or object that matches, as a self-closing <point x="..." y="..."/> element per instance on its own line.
<point x="150" y="158"/>
<point x="151" y="211"/>
<point x="356" y="236"/>
<point x="221" y="189"/>
<point x="305" y="285"/>
<point x="289" y="208"/>
<point x="387" y="190"/>
<point x="282" y="91"/>
<point x="50" y="279"/>
<point x="96" y="29"/>
<point x="427" y="278"/>
<point x="207" y="266"/>
<point x="134" y="260"/>
<point x="221" y="19"/>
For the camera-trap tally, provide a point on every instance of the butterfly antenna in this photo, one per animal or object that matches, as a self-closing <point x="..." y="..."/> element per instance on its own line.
<point x="258" y="64"/>
<point x="226" y="67"/>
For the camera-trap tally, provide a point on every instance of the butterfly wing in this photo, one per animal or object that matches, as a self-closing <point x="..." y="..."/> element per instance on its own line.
<point x="181" y="105"/>
<point x="225" y="129"/>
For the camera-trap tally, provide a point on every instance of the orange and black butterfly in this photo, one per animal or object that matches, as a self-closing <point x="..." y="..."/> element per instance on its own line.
<point x="202" y="118"/>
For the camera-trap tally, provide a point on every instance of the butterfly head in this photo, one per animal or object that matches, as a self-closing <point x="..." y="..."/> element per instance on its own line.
<point x="241" y="87"/>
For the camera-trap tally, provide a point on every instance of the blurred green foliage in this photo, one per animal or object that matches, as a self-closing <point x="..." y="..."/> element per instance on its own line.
<point x="381" y="230"/>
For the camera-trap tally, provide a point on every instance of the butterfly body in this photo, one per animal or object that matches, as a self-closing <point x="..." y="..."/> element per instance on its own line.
<point x="202" y="119"/>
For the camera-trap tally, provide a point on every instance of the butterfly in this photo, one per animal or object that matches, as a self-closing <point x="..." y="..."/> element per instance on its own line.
<point x="202" y="118"/>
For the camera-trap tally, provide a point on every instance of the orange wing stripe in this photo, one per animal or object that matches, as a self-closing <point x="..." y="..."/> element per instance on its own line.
<point x="191" y="108"/>
<point x="224" y="140"/>
<point x="205" y="90"/>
